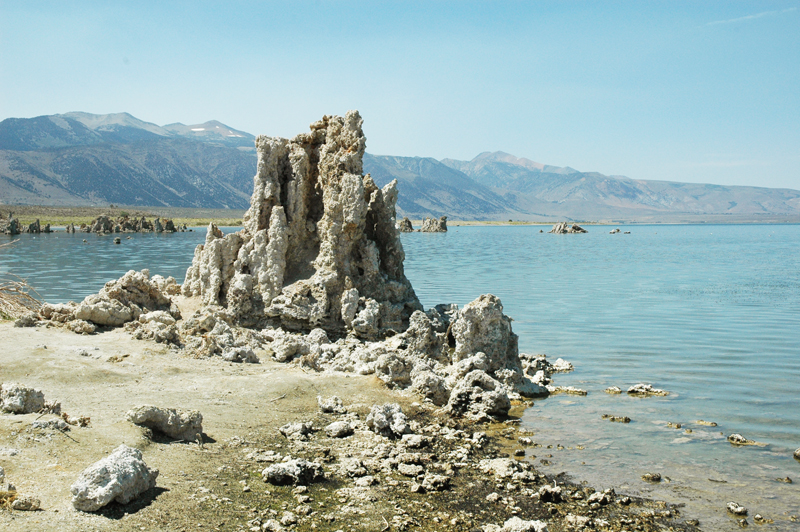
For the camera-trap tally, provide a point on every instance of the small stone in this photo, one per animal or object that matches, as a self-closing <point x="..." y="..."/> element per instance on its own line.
<point x="435" y="482"/>
<point x="735" y="509"/>
<point x="184" y="425"/>
<point x="297" y="431"/>
<point x="493" y="497"/>
<point x="652" y="477"/>
<point x="26" y="504"/>
<point x="410" y="470"/>
<point x="292" y="472"/>
<point x="331" y="405"/>
<point x="121" y="476"/>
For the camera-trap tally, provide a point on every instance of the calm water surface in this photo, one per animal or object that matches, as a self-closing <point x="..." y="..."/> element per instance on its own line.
<point x="710" y="313"/>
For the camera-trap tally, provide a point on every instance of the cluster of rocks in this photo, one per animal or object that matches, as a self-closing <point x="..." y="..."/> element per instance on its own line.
<point x="11" y="226"/>
<point x="124" y="224"/>
<point x="417" y="470"/>
<point x="433" y="225"/>
<point x="563" y="228"/>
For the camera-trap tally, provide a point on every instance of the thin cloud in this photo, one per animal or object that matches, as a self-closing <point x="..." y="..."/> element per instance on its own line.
<point x="750" y="17"/>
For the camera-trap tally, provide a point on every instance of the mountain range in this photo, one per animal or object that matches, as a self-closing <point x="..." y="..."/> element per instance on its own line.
<point x="86" y="159"/>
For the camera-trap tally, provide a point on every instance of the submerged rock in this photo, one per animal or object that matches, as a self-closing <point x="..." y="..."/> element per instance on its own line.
<point x="738" y="439"/>
<point x="646" y="390"/>
<point x="121" y="476"/>
<point x="563" y="228"/>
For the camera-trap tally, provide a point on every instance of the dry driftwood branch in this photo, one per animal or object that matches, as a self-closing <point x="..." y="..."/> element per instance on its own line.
<point x="17" y="296"/>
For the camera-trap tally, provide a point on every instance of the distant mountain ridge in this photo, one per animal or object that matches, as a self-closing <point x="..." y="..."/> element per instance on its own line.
<point x="87" y="159"/>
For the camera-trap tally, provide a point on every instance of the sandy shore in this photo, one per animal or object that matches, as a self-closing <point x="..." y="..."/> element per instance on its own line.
<point x="218" y="485"/>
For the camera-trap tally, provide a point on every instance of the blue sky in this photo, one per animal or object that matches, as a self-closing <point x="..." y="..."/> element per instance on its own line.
<point x="682" y="91"/>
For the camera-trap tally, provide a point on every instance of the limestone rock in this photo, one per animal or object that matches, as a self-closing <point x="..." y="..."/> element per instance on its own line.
<point x="432" y="225"/>
<point x="121" y="477"/>
<point x="29" y="319"/>
<point x="316" y="229"/>
<point x="738" y="439"/>
<point x="180" y="424"/>
<point x="478" y="396"/>
<point x="339" y="429"/>
<point x="736" y="509"/>
<point x="297" y="431"/>
<point x="404" y="225"/>
<point x="295" y="471"/>
<point x="388" y="420"/>
<point x="563" y="228"/>
<point x="18" y="399"/>
<point x="124" y="300"/>
<point x="26" y="504"/>
<point x="240" y="354"/>
<point x="331" y="405"/>
<point x="645" y="390"/>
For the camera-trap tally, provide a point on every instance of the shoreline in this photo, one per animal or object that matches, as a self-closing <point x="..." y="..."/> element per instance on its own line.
<point x="243" y="405"/>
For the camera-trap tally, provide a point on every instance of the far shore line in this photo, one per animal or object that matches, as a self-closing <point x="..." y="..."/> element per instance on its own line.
<point x="61" y="216"/>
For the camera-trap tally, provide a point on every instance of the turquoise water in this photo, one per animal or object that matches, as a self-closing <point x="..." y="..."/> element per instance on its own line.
<point x="710" y="313"/>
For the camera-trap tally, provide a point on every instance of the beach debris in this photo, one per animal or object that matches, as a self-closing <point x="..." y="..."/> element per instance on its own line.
<point x="563" y="228"/>
<point x="736" y="509"/>
<point x="613" y="390"/>
<point x="433" y="225"/>
<point x="18" y="399"/>
<point x="738" y="439"/>
<point x="404" y="225"/>
<point x="184" y="425"/>
<point x="652" y="477"/>
<point x="293" y="471"/>
<point x="616" y="419"/>
<point x="388" y="420"/>
<point x="331" y="405"/>
<point x="121" y="476"/>
<point x="646" y="390"/>
<point x="17" y="298"/>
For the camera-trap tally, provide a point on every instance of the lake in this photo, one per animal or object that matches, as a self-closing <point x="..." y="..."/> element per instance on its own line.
<point x="710" y="313"/>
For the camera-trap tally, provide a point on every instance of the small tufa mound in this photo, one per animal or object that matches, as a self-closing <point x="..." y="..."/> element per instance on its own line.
<point x="613" y="390"/>
<point x="240" y="354"/>
<point x="738" y="439"/>
<point x="18" y="399"/>
<point x="121" y="476"/>
<point x="736" y="509"/>
<point x="297" y="471"/>
<point x="388" y="420"/>
<point x="646" y="390"/>
<point x="180" y="424"/>
<point x="404" y="225"/>
<point x="331" y="405"/>
<point x="432" y="225"/>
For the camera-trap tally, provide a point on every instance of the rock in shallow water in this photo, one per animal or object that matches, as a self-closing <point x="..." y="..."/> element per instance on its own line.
<point x="121" y="477"/>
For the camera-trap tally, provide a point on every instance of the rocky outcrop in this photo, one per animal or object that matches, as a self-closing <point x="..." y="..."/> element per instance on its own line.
<point x="432" y="225"/>
<point x="563" y="228"/>
<point x="10" y="225"/>
<point x="404" y="225"/>
<point x="105" y="224"/>
<point x="121" y="476"/>
<point x="319" y="246"/>
<point x="179" y="424"/>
